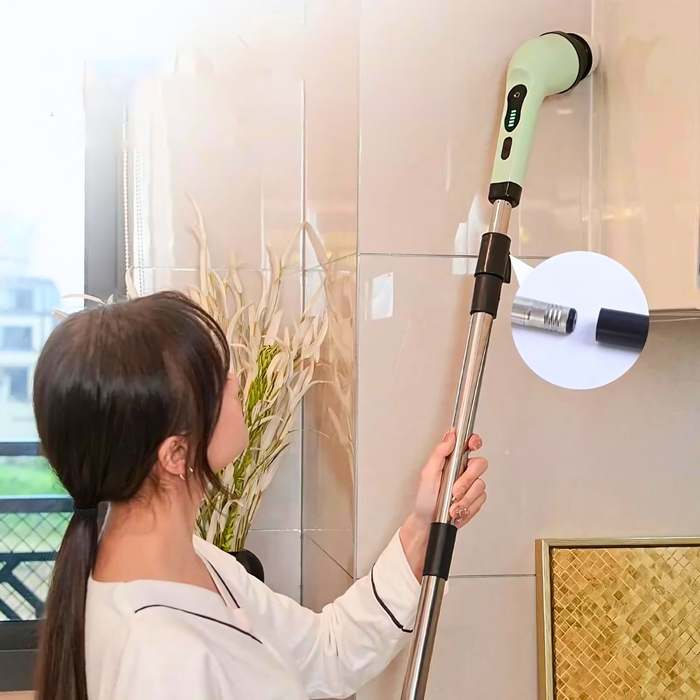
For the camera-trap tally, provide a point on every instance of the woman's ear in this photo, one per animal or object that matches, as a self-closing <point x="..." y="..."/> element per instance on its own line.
<point x="172" y="455"/>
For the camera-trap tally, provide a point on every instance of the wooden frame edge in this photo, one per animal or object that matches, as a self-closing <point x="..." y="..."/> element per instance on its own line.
<point x="545" y="652"/>
<point x="601" y="542"/>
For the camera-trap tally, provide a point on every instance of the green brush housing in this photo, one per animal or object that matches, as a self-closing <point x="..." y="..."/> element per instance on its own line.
<point x="551" y="64"/>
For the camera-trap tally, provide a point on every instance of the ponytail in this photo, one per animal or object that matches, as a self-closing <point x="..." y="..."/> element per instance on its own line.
<point x="61" y="661"/>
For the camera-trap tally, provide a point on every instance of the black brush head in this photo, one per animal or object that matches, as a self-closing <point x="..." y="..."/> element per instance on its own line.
<point x="584" y="53"/>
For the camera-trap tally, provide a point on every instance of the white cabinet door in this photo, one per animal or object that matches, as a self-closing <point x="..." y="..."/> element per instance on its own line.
<point x="646" y="146"/>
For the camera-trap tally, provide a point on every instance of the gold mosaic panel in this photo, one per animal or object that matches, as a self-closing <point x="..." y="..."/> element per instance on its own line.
<point x="626" y="623"/>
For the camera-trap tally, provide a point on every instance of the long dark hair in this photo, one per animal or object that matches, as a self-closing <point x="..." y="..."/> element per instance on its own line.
<point x="110" y="386"/>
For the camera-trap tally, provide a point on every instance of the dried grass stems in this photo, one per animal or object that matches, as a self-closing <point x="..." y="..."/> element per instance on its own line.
<point x="276" y="359"/>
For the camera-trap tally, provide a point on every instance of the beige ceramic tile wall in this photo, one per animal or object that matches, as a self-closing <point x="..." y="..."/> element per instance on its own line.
<point x="323" y="580"/>
<point x="230" y="126"/>
<point x="329" y="480"/>
<point x="332" y="151"/>
<point x="331" y="119"/>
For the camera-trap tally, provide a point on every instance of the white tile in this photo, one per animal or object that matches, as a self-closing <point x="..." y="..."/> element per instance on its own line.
<point x="280" y="554"/>
<point x="486" y="645"/>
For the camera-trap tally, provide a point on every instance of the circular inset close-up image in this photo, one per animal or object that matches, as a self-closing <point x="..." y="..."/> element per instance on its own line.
<point x="579" y="320"/>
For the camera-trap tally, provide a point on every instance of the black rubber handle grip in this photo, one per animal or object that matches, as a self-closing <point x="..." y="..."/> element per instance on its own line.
<point x="441" y="545"/>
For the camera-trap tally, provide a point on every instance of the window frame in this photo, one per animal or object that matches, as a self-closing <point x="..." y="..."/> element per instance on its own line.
<point x="106" y="94"/>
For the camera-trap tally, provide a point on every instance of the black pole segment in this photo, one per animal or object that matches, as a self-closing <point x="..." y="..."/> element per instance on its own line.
<point x="441" y="545"/>
<point x="492" y="271"/>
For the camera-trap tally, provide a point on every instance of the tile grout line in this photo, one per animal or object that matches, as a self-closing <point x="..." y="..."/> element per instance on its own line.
<point x="445" y="256"/>
<point x="339" y="565"/>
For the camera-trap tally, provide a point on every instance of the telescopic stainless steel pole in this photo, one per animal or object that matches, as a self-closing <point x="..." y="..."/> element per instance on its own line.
<point x="493" y="269"/>
<point x="553" y="63"/>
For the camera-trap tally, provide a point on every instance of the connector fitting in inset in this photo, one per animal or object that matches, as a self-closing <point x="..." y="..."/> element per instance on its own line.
<point x="529" y="313"/>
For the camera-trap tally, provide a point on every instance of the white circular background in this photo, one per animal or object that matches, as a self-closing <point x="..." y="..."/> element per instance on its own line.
<point x="587" y="282"/>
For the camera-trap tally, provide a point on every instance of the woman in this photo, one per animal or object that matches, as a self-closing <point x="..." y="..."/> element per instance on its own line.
<point x="135" y="407"/>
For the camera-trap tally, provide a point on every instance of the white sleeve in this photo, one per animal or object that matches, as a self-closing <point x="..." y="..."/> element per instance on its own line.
<point x="160" y="662"/>
<point x="354" y="638"/>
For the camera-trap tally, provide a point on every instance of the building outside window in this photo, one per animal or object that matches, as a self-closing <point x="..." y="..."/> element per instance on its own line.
<point x="16" y="338"/>
<point x="14" y="384"/>
<point x="24" y="299"/>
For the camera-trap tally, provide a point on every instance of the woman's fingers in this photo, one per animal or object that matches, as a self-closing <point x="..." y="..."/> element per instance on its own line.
<point x="433" y="467"/>
<point x="436" y="462"/>
<point x="475" y="468"/>
<point x="444" y="449"/>
<point x="458" y="508"/>
<point x="474" y="443"/>
<point x="466" y="515"/>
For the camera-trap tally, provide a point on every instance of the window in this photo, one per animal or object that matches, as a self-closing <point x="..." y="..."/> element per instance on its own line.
<point x="42" y="256"/>
<point x="15" y="338"/>
<point x="61" y="233"/>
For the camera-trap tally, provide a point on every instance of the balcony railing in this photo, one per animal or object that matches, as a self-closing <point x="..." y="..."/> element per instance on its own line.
<point x="31" y="529"/>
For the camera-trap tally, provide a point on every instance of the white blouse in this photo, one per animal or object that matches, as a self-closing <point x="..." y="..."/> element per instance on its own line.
<point x="159" y="640"/>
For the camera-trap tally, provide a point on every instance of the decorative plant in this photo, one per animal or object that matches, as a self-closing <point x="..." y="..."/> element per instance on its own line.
<point x="275" y="358"/>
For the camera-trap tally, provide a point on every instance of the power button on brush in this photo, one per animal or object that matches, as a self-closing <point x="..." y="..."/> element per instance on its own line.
<point x="505" y="150"/>
<point x="514" y="105"/>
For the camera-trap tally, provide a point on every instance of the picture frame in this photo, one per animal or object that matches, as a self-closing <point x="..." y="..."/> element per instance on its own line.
<point x="616" y="614"/>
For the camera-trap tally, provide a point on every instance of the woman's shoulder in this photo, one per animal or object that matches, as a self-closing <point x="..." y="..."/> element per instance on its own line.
<point x="159" y="627"/>
<point x="141" y="610"/>
<point x="160" y="654"/>
<point x="123" y="635"/>
<point x="224" y="562"/>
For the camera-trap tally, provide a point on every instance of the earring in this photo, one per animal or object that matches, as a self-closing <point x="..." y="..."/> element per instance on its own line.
<point x="182" y="476"/>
